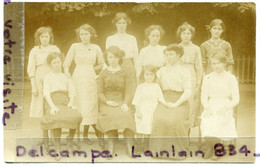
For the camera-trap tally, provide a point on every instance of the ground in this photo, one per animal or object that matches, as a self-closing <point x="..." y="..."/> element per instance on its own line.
<point x="31" y="130"/>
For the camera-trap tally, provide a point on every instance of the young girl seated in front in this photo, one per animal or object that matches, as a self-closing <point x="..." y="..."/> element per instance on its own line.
<point x="147" y="96"/>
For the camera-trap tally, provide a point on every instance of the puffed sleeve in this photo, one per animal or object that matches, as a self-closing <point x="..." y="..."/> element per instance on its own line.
<point x="203" y="49"/>
<point x="234" y="91"/>
<point x="100" y="87"/>
<point x="70" y="56"/>
<point x="56" y="49"/>
<point x="198" y="65"/>
<point x="230" y="59"/>
<point x="137" y="96"/>
<point x="71" y="88"/>
<point x="160" y="95"/>
<point x="205" y="91"/>
<point x="31" y="68"/>
<point x="47" y="85"/>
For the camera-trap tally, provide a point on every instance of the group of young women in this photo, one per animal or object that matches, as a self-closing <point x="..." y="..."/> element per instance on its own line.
<point x="151" y="93"/>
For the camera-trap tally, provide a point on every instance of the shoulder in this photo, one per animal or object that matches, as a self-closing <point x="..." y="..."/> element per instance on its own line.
<point x="231" y="77"/>
<point x="162" y="47"/>
<point x="144" y="49"/>
<point x="131" y="37"/>
<point x="161" y="69"/>
<point x="195" y="46"/>
<point x="204" y="44"/>
<point x="208" y="76"/>
<point x="34" y="50"/>
<point x="75" y="45"/>
<point x="95" y="46"/>
<point x="226" y="43"/>
<point x="111" y="37"/>
<point x="157" y="86"/>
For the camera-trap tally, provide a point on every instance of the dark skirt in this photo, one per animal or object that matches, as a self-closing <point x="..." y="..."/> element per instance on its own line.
<point x="112" y="118"/>
<point x="65" y="118"/>
<point x="170" y="125"/>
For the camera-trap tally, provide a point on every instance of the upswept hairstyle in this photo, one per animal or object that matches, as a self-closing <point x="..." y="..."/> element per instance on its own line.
<point x="150" y="28"/>
<point x="185" y="26"/>
<point x="119" y="16"/>
<point x="88" y="28"/>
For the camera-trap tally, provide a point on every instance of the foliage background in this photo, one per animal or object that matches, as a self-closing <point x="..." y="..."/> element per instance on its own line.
<point x="64" y="18"/>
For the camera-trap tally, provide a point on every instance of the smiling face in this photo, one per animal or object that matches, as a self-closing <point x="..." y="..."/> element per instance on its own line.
<point x="149" y="76"/>
<point x="121" y="25"/>
<point x="216" y="31"/>
<point x="217" y="66"/>
<point x="112" y="60"/>
<point x="56" y="64"/>
<point x="45" y="39"/>
<point x="84" y="36"/>
<point x="154" y="37"/>
<point x="186" y="36"/>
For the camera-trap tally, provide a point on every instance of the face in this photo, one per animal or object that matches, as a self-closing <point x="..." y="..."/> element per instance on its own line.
<point x="186" y="35"/>
<point x="149" y="76"/>
<point x="56" y="64"/>
<point x="84" y="36"/>
<point x="121" y="25"/>
<point x="154" y="37"/>
<point x="216" y="31"/>
<point x="171" y="57"/>
<point x="217" y="66"/>
<point x="45" y="39"/>
<point x="113" y="61"/>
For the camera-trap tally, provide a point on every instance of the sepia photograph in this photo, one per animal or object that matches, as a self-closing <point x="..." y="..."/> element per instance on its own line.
<point x="135" y="82"/>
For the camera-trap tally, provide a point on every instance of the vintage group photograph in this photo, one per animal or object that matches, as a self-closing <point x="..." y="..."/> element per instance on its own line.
<point x="137" y="82"/>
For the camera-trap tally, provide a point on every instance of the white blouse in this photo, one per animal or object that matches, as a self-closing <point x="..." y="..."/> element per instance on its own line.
<point x="150" y="55"/>
<point x="38" y="56"/>
<point x="125" y="42"/>
<point x="58" y="82"/>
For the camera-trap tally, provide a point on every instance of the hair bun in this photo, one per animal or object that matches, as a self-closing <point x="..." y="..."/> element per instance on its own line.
<point x="207" y="27"/>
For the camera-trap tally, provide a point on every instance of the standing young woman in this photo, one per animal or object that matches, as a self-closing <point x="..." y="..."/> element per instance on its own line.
<point x="153" y="53"/>
<point x="192" y="61"/>
<point x="38" y="68"/>
<point x="219" y="96"/>
<point x="84" y="54"/>
<point x="214" y="44"/>
<point x="126" y="43"/>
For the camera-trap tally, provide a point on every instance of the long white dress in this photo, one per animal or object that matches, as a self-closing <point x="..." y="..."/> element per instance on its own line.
<point x="146" y="99"/>
<point x="38" y="68"/>
<point x="84" y="78"/>
<point x="219" y="96"/>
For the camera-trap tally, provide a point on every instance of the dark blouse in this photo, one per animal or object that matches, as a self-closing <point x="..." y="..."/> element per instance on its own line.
<point x="109" y="81"/>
